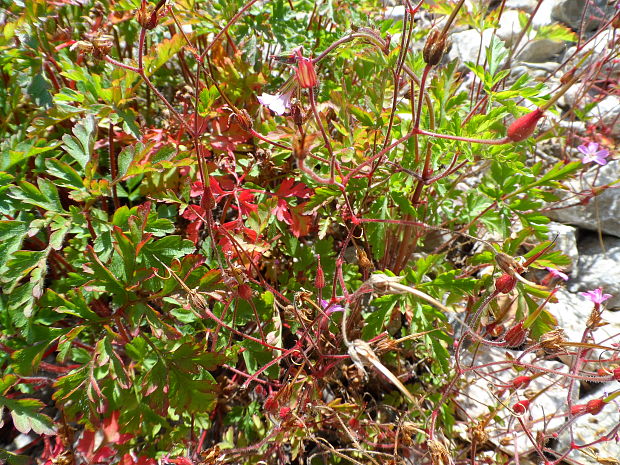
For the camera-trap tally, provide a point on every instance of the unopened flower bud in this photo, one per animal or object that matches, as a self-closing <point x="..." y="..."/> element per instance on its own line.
<point x="319" y="281"/>
<point x="521" y="382"/>
<point x="306" y="75"/>
<point x="505" y="283"/>
<point x="616" y="374"/>
<point x="244" y="120"/>
<point x="516" y="335"/>
<point x="593" y="407"/>
<point x="521" y="407"/>
<point x="524" y="127"/>
<point x="434" y="47"/>
<point x="245" y="292"/>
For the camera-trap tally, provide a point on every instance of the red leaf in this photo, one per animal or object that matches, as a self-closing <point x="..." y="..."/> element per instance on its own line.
<point x="288" y="188"/>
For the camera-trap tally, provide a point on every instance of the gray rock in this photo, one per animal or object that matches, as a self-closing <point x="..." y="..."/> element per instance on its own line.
<point x="591" y="51"/>
<point x="602" y="211"/>
<point x="571" y="12"/>
<point x="538" y="51"/>
<point x="599" y="268"/>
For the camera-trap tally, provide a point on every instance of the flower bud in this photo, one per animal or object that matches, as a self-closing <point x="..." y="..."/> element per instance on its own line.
<point x="284" y="412"/>
<point x="521" y="382"/>
<point x="434" y="47"/>
<point x="616" y="373"/>
<point x="521" y="407"/>
<point x="524" y="127"/>
<point x="319" y="281"/>
<point x="593" y="407"/>
<point x="245" y="292"/>
<point x="516" y="335"/>
<point x="244" y="120"/>
<point x="306" y="75"/>
<point x="505" y="283"/>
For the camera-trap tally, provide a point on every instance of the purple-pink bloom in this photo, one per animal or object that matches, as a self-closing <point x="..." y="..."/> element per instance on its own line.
<point x="329" y="309"/>
<point x="557" y="273"/>
<point x="278" y="103"/>
<point x="591" y="153"/>
<point x="596" y="296"/>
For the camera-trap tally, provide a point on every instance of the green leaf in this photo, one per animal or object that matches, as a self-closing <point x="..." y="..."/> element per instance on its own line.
<point x="26" y="416"/>
<point x="12" y="234"/>
<point x="362" y="115"/>
<point x="80" y="147"/>
<point x="14" y="459"/>
<point x="39" y="91"/>
<point x="208" y="96"/>
<point x="27" y="359"/>
<point x="166" y="250"/>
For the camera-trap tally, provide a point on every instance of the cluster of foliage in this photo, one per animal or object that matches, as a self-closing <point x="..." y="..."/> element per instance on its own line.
<point x="188" y="275"/>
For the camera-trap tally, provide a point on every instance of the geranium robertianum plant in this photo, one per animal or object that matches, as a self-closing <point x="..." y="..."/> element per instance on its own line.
<point x="202" y="202"/>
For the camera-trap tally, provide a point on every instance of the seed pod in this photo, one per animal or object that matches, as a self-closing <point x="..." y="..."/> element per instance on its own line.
<point x="434" y="47"/>
<point x="505" y="283"/>
<point x="516" y="335"/>
<point x="362" y="259"/>
<point x="524" y="127"/>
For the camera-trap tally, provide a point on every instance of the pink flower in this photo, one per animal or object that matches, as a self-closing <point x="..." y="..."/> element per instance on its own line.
<point x="278" y="103"/>
<point x="591" y="153"/>
<point x="557" y="273"/>
<point x="331" y="308"/>
<point x="596" y="296"/>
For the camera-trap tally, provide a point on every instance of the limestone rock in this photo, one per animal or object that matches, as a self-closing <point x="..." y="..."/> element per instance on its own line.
<point x="599" y="268"/>
<point x="602" y="211"/>
<point x="587" y="428"/>
<point x="571" y="13"/>
<point x="470" y="45"/>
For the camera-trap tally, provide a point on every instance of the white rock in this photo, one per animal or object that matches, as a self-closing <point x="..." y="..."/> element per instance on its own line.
<point x="509" y="26"/>
<point x="566" y="242"/>
<point x="602" y="211"/>
<point x="525" y="5"/>
<point x="587" y="428"/>
<point x="470" y="45"/>
<point x="543" y="16"/>
<point x="476" y="398"/>
<point x="572" y="312"/>
<point x="598" y="268"/>
<point x="396" y="13"/>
